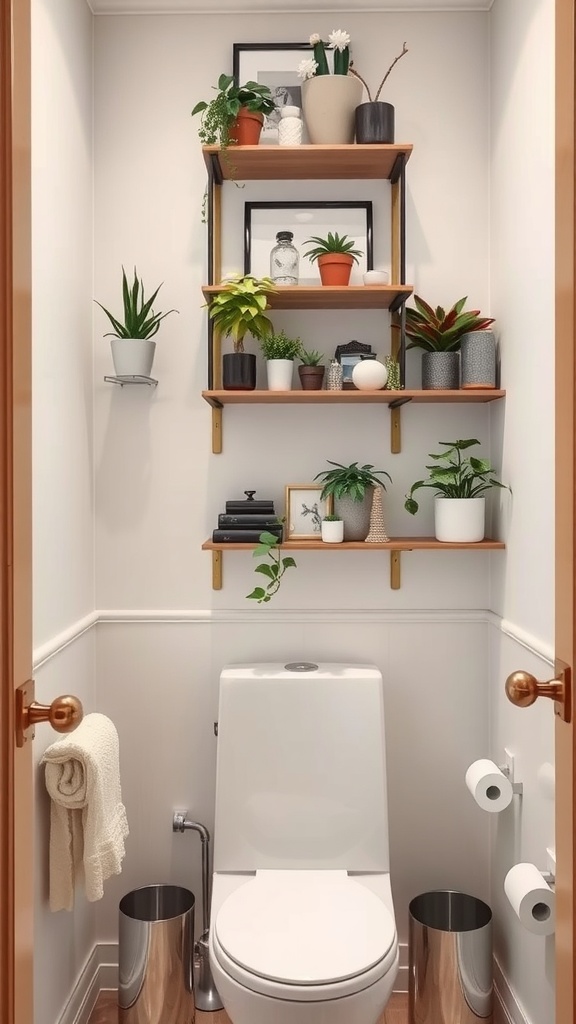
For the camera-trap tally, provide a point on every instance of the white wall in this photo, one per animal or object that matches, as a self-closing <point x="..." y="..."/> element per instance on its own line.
<point x="63" y="491"/>
<point x="159" y="489"/>
<point x="522" y="591"/>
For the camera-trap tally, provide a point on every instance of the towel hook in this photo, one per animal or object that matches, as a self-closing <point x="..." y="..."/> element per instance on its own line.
<point x="64" y="713"/>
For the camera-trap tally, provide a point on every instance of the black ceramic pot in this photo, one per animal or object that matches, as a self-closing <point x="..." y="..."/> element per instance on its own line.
<point x="239" y="371"/>
<point x="374" y="123"/>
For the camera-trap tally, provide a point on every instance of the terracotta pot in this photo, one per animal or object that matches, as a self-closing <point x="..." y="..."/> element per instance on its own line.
<point x="311" y="377"/>
<point x="335" y="268"/>
<point x="245" y="130"/>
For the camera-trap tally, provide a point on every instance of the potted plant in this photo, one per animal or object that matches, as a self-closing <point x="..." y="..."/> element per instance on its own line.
<point x="332" y="528"/>
<point x="351" y="487"/>
<point x="236" y="311"/>
<point x="280" y="351"/>
<point x="311" y="371"/>
<point x="329" y="99"/>
<point x="235" y="115"/>
<point x="335" y="255"/>
<point x="374" y="120"/>
<point x="459" y="483"/>
<point x="272" y="569"/>
<point x="132" y="346"/>
<point x="439" y="334"/>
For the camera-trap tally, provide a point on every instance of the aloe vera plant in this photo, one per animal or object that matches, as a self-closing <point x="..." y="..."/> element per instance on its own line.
<point x="332" y="243"/>
<point x="140" y="320"/>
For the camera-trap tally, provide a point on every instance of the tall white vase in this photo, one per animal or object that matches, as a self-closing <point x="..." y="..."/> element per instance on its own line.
<point x="328" y="105"/>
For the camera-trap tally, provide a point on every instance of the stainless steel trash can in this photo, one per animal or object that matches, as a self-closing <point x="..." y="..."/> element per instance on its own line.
<point x="156" y="947"/>
<point x="450" y="954"/>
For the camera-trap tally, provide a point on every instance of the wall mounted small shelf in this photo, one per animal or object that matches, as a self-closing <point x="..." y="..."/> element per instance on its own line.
<point x="394" y="399"/>
<point x="395" y="546"/>
<point x="353" y="296"/>
<point x="123" y="379"/>
<point x="299" y="163"/>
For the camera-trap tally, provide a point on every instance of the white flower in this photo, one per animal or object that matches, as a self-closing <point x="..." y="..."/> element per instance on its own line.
<point x="314" y="38"/>
<point x="338" y="39"/>
<point x="307" y="68"/>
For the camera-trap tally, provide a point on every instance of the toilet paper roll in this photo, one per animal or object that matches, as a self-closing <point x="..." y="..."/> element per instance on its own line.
<point x="531" y="898"/>
<point x="491" y="789"/>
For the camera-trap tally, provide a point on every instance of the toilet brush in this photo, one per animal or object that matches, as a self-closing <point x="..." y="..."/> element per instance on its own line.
<point x="206" y="995"/>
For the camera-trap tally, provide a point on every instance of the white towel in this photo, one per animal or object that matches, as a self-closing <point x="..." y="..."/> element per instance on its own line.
<point x="87" y="817"/>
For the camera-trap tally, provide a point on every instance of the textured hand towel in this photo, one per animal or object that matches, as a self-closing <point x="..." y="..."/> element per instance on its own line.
<point x="87" y="817"/>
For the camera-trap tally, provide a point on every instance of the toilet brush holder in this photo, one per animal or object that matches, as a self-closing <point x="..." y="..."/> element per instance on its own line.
<point x="205" y="992"/>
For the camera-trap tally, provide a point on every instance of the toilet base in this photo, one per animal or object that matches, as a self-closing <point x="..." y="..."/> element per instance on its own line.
<point x="246" y="1007"/>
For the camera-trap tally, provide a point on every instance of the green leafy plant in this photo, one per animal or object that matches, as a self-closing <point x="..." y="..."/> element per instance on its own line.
<point x="219" y="113"/>
<point x="277" y="345"/>
<point x="332" y="243"/>
<point x="453" y="476"/>
<point x="331" y="519"/>
<point x="311" y="357"/>
<point x="350" y="481"/>
<point x="381" y="86"/>
<point x="140" y="320"/>
<point x="434" y="330"/>
<point x="238" y="309"/>
<point x="273" y="568"/>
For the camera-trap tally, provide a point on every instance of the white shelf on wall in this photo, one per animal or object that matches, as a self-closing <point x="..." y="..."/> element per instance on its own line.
<point x="124" y="378"/>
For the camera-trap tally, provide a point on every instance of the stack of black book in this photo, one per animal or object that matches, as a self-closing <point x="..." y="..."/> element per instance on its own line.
<point x="244" y="521"/>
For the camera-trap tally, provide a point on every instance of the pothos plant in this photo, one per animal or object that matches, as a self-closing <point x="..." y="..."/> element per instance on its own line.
<point x="455" y="476"/>
<point x="273" y="568"/>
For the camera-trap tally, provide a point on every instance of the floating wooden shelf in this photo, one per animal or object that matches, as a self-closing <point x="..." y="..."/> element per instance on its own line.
<point x="256" y="163"/>
<point x="353" y="296"/>
<point x="217" y="399"/>
<point x="395" y="545"/>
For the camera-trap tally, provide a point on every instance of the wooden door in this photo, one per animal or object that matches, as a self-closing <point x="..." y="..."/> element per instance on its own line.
<point x="565" y="503"/>
<point x="16" y="819"/>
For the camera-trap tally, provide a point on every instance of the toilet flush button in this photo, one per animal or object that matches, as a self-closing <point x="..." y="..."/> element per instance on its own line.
<point x="300" y="666"/>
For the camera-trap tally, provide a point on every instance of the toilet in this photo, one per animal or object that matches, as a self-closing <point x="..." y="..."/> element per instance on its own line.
<point x="302" y="921"/>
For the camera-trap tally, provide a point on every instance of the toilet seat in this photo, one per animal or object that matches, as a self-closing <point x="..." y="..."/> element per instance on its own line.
<point x="305" y="934"/>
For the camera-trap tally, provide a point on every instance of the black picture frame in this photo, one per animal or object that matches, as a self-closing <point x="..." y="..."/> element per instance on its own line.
<point x="296" y="218"/>
<point x="348" y="355"/>
<point x="274" y="65"/>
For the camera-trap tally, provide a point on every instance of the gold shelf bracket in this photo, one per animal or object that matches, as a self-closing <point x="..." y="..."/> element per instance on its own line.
<point x="216" y="570"/>
<point x="394" y="570"/>
<point x="217" y="431"/>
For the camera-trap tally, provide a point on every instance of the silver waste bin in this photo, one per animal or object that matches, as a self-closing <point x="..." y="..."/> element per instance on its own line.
<point x="156" y="954"/>
<point x="450" y="954"/>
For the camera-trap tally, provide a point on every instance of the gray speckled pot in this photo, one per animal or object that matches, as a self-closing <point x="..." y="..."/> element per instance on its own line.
<point x="478" y="356"/>
<point x="356" y="516"/>
<point x="440" y="370"/>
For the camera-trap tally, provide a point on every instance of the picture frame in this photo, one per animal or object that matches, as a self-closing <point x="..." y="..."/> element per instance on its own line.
<point x="348" y="355"/>
<point x="263" y="220"/>
<point x="304" y="510"/>
<point x="274" y="65"/>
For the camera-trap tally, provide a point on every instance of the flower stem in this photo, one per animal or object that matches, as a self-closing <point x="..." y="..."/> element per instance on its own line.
<point x="395" y="61"/>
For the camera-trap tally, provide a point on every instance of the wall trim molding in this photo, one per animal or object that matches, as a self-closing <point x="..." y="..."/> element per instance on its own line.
<point x="208" y="616"/>
<point x="99" y="972"/>
<point x="508" y="1009"/>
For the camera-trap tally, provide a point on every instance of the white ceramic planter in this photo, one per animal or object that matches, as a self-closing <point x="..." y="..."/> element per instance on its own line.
<point x="279" y="373"/>
<point x="133" y="357"/>
<point x="332" y="531"/>
<point x="328" y="105"/>
<point x="459" y="519"/>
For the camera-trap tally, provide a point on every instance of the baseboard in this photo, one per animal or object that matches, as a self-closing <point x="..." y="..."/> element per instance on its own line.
<point x="507" y="1009"/>
<point x="99" y="972"/>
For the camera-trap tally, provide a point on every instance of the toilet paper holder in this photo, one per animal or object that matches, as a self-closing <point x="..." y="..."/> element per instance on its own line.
<point x="508" y="771"/>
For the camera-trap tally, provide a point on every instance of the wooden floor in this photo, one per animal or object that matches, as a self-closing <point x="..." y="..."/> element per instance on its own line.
<point x="106" y="1012"/>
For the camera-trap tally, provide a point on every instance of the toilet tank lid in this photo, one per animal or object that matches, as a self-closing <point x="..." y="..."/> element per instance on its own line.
<point x="305" y="927"/>
<point x="285" y="670"/>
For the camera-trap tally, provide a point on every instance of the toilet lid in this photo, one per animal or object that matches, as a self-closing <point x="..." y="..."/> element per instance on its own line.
<point x="305" y="927"/>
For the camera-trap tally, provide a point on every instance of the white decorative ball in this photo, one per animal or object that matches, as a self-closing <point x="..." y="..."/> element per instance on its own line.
<point x="369" y="375"/>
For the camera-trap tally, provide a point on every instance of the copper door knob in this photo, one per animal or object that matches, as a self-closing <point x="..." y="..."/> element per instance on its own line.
<point x="523" y="689"/>
<point x="63" y="714"/>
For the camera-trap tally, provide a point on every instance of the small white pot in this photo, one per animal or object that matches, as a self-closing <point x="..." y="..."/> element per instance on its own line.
<point x="279" y="374"/>
<point x="332" y="531"/>
<point x="459" y="519"/>
<point x="133" y="357"/>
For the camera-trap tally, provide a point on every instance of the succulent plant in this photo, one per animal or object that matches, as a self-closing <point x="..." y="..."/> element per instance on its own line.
<point x="437" y="331"/>
<point x="311" y="357"/>
<point x="332" y="243"/>
<point x="140" y="320"/>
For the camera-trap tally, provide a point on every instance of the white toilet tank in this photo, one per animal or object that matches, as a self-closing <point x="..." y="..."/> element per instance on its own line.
<point x="301" y="768"/>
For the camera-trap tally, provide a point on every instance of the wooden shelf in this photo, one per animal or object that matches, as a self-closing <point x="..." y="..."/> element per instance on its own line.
<point x="394" y="546"/>
<point x="217" y="399"/>
<point x="256" y="163"/>
<point x="353" y="296"/>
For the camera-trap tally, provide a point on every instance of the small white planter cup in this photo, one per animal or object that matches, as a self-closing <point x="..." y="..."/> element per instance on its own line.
<point x="279" y="372"/>
<point x="459" y="520"/>
<point x="332" y="531"/>
<point x="133" y="357"/>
